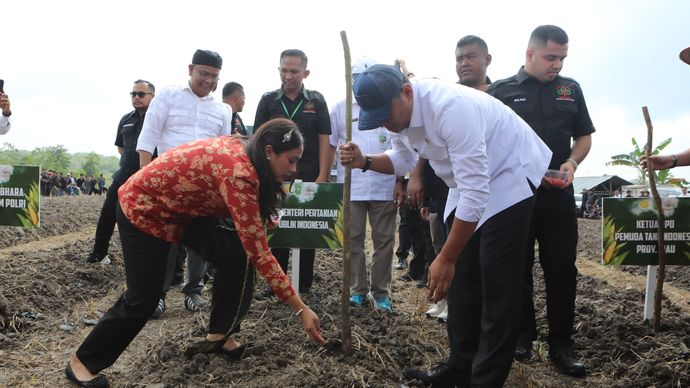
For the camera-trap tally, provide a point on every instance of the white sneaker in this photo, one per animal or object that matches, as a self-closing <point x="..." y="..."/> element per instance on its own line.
<point x="443" y="317"/>
<point x="437" y="309"/>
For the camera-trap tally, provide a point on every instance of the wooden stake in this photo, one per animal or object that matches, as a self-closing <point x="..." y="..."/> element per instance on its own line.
<point x="347" y="252"/>
<point x="661" y="227"/>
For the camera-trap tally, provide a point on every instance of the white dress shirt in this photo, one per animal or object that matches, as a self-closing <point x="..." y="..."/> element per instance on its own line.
<point x="482" y="150"/>
<point x="5" y="124"/>
<point x="177" y="116"/>
<point x="369" y="185"/>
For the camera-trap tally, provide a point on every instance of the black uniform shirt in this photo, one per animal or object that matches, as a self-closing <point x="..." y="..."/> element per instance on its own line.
<point x="238" y="125"/>
<point x="555" y="110"/>
<point x="127" y="136"/>
<point x="310" y="112"/>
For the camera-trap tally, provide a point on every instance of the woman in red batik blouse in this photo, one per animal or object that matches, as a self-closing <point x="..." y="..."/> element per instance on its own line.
<point x="219" y="177"/>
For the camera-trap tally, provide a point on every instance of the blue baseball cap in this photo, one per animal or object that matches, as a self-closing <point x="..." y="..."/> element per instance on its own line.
<point x="374" y="91"/>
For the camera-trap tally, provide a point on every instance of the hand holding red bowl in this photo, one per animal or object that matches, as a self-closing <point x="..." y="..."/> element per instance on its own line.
<point x="555" y="179"/>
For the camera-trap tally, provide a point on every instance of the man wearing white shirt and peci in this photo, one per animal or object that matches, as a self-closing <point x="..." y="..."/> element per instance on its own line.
<point x="5" y="111"/>
<point x="179" y="115"/>
<point x="371" y="194"/>
<point x="492" y="162"/>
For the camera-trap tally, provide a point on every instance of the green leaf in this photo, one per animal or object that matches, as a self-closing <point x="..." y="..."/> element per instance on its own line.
<point x="618" y="260"/>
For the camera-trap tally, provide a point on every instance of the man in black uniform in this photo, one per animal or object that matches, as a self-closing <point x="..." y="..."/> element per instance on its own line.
<point x="126" y="141"/>
<point x="233" y="95"/>
<point x="555" y="108"/>
<point x="308" y="109"/>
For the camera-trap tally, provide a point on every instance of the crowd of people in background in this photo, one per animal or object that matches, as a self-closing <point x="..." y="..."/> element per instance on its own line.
<point x="56" y="184"/>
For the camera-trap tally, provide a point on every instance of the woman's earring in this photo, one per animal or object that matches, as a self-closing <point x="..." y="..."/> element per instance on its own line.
<point x="268" y="158"/>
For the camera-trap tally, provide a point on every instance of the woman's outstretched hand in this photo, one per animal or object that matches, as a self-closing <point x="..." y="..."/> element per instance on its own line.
<point x="311" y="324"/>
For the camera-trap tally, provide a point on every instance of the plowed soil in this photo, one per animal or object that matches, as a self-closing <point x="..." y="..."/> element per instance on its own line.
<point x="50" y="298"/>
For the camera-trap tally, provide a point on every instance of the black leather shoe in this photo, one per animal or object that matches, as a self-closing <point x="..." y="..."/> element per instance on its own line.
<point x="523" y="350"/>
<point x="97" y="382"/>
<point x="440" y="375"/>
<point x="565" y="359"/>
<point x="94" y="258"/>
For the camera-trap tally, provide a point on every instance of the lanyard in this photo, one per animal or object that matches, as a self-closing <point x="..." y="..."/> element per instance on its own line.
<point x="290" y="116"/>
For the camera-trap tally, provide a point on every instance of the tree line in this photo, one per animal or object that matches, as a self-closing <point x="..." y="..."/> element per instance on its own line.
<point x="58" y="159"/>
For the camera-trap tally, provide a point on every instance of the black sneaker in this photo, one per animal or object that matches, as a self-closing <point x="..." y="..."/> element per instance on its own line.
<point x="194" y="302"/>
<point x="401" y="264"/>
<point x="264" y="294"/>
<point x="160" y="309"/>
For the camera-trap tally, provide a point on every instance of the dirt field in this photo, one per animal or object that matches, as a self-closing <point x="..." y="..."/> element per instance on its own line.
<point x="49" y="298"/>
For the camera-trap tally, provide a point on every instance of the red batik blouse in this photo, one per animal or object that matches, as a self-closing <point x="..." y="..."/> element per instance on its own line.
<point x="212" y="177"/>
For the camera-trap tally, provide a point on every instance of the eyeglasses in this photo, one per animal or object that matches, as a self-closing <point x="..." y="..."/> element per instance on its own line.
<point x="140" y="94"/>
<point x="206" y="75"/>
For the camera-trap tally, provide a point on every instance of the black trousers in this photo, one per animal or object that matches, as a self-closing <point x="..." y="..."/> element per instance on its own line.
<point x="145" y="258"/>
<point x="484" y="298"/>
<point x="555" y="229"/>
<point x="106" y="221"/>
<point x="414" y="232"/>
<point x="306" y="264"/>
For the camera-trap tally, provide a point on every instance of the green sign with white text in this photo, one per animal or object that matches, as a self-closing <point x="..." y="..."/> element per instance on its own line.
<point x="19" y="196"/>
<point x="312" y="217"/>
<point x="630" y="231"/>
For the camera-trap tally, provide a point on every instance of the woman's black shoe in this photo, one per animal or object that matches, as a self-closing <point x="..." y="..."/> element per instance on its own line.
<point x="98" y="382"/>
<point x="235" y="354"/>
<point x="208" y="347"/>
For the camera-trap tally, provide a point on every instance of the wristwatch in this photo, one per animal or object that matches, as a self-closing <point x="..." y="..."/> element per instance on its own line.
<point x="367" y="163"/>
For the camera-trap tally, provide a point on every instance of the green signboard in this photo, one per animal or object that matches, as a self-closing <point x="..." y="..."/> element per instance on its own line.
<point x="312" y="217"/>
<point x="630" y="231"/>
<point x="19" y="196"/>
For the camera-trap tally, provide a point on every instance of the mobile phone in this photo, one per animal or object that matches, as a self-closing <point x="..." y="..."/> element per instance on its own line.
<point x="2" y="85"/>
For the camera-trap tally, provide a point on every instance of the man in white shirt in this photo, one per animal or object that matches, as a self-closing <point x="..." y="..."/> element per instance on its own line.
<point x="178" y="115"/>
<point x="371" y="194"/>
<point x="6" y="113"/>
<point x="492" y="162"/>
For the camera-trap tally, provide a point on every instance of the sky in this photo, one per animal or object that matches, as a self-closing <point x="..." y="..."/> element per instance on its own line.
<point x="69" y="65"/>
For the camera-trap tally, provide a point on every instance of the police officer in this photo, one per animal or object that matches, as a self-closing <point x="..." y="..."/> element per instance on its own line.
<point x="126" y="142"/>
<point x="309" y="110"/>
<point x="233" y="95"/>
<point x="555" y="108"/>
